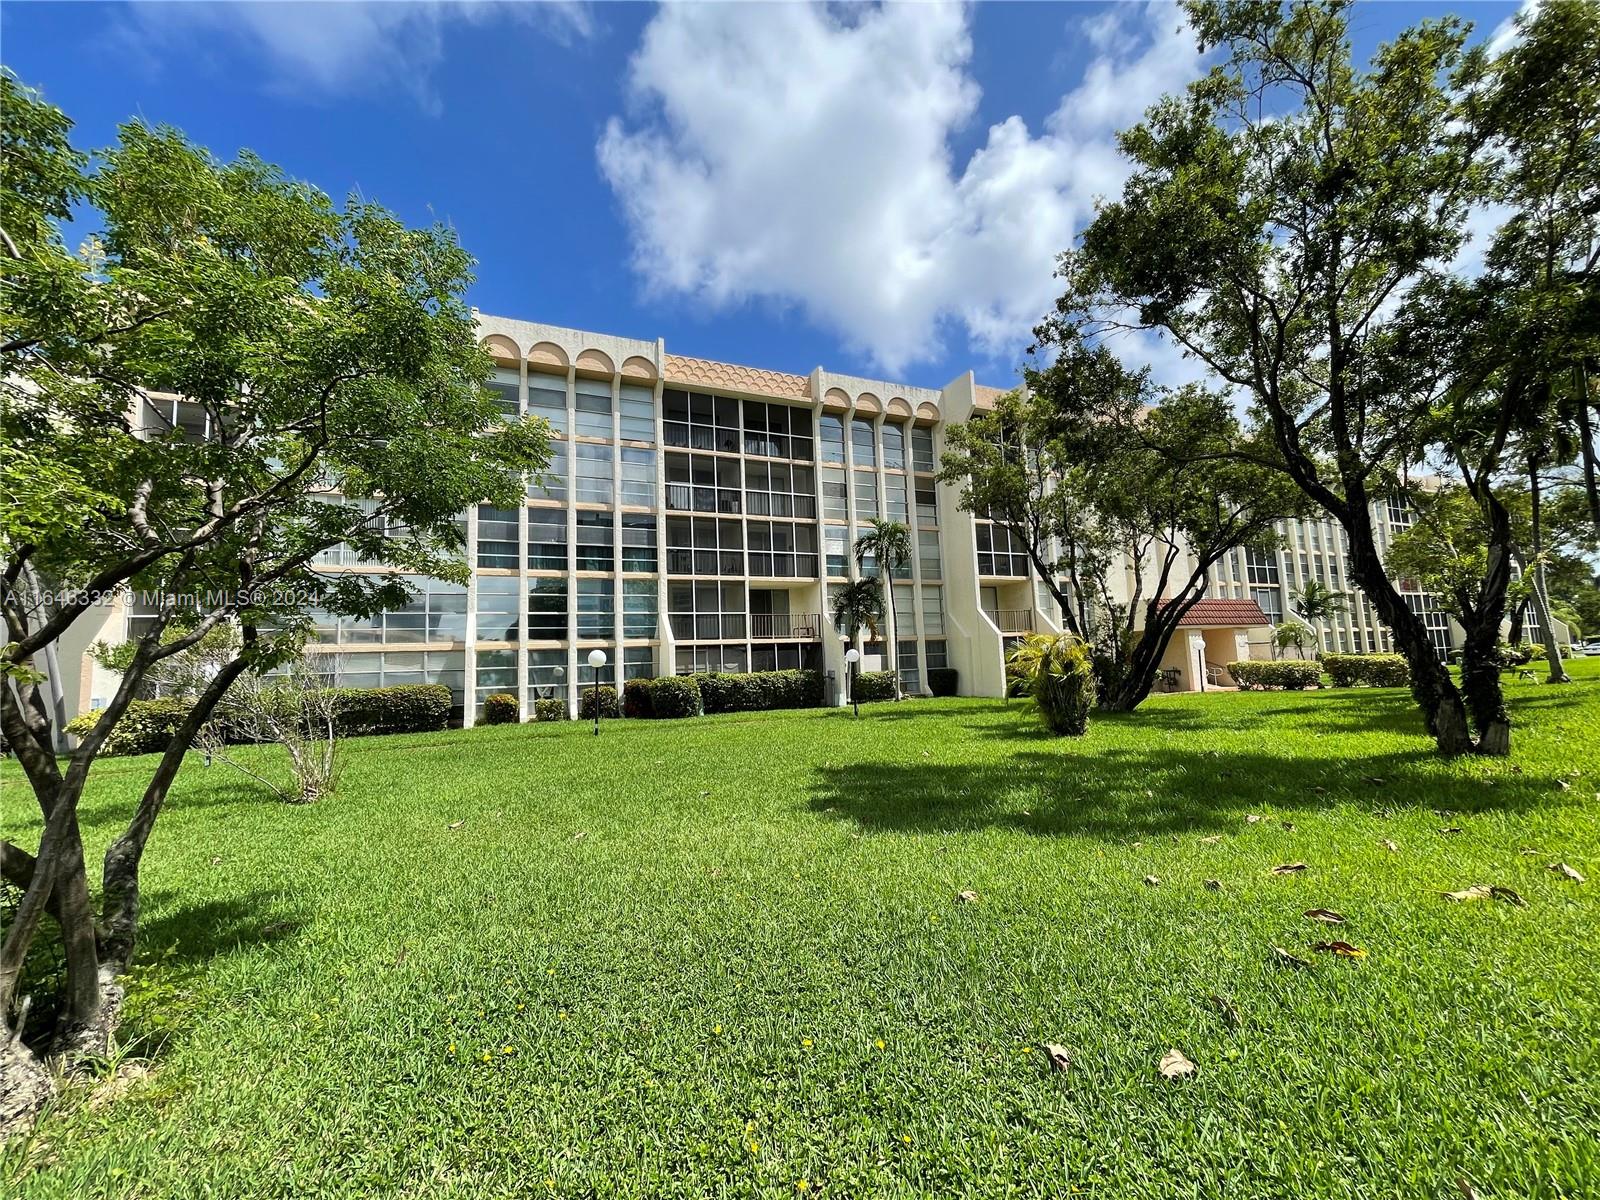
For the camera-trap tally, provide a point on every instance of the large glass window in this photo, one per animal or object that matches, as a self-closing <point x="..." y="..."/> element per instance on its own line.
<point x="701" y="660"/>
<point x="497" y="608"/>
<point x="927" y="502"/>
<point x="894" y="498"/>
<point x="596" y="541"/>
<point x="497" y="672"/>
<point x="706" y="611"/>
<point x="592" y="480"/>
<point x="921" y="449"/>
<point x="638" y="542"/>
<point x="702" y="483"/>
<point x="928" y="551"/>
<point x="551" y="483"/>
<point x="704" y="546"/>
<point x="592" y="408"/>
<point x="638" y="662"/>
<point x="638" y="477"/>
<point x="894" y="446"/>
<point x="547" y="608"/>
<point x="547" y="398"/>
<point x="436" y="612"/>
<point x="1000" y="552"/>
<point x="835" y="500"/>
<point x="937" y="653"/>
<point x="597" y="607"/>
<point x="637" y="409"/>
<point x="498" y="540"/>
<point x="784" y="656"/>
<point x="862" y="445"/>
<point x="836" y="545"/>
<point x="781" y="550"/>
<point x="866" y="485"/>
<point x="830" y="430"/>
<point x="700" y="422"/>
<point x="547" y="674"/>
<point x="932" y="611"/>
<point x="547" y="539"/>
<point x="905" y="661"/>
<point x="779" y="490"/>
<point x="506" y="386"/>
<point x="639" y="608"/>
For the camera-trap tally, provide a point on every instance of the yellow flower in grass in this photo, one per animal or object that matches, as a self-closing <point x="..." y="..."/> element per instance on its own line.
<point x="879" y="1043"/>
<point x="806" y="1042"/>
<point x="717" y="1029"/>
<point x="452" y="1047"/>
<point x="802" y="1185"/>
<point x="487" y="1056"/>
<point x="505" y="1050"/>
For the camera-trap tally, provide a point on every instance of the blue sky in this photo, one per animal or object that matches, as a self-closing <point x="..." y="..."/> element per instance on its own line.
<point x="877" y="191"/>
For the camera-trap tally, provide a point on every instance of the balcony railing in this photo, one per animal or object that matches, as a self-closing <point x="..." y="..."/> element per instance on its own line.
<point x="1011" y="620"/>
<point x="798" y="627"/>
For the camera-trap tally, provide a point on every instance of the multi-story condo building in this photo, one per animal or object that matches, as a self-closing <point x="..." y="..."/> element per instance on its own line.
<point x="698" y="516"/>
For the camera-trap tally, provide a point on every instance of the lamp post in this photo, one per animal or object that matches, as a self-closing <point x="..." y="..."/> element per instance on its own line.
<point x="852" y="656"/>
<point x="597" y="659"/>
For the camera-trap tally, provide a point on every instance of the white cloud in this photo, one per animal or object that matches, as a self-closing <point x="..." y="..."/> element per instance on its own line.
<point x="780" y="153"/>
<point x="335" y="47"/>
<point x="1506" y="34"/>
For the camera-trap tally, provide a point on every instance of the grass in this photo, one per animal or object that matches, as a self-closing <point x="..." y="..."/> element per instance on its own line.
<point x="725" y="957"/>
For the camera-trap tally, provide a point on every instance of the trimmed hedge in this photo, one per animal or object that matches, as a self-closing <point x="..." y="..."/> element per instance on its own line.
<point x="667" y="696"/>
<point x="760" y="691"/>
<point x="501" y="709"/>
<point x="943" y="681"/>
<point x="607" y="701"/>
<point x="549" y="709"/>
<point x="1367" y="670"/>
<point x="874" y="685"/>
<point x="1290" y="673"/>
<point x="148" y="725"/>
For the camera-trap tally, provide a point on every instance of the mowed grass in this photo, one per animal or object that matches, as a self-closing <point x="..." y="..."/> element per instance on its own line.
<point x="726" y="957"/>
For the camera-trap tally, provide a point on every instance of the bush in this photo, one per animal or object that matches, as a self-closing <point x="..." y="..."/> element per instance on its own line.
<point x="146" y="727"/>
<point x="874" y="685"/>
<point x="404" y="708"/>
<point x="1057" y="670"/>
<point x="1292" y="674"/>
<point x="549" y="709"/>
<point x="1367" y="670"/>
<point x="501" y="708"/>
<point x="607" y="699"/>
<point x="760" y="691"/>
<point x="668" y="696"/>
<point x="637" y="702"/>
<point x="943" y="681"/>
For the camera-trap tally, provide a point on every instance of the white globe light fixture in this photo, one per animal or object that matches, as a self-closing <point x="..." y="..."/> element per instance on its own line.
<point x="852" y="656"/>
<point x="597" y="659"/>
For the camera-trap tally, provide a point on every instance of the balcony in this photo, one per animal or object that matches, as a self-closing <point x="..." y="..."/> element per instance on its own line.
<point x="1011" y="620"/>
<point x="793" y="627"/>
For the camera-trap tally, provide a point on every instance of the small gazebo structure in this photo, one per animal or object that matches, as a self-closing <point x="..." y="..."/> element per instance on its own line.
<point x="1211" y="635"/>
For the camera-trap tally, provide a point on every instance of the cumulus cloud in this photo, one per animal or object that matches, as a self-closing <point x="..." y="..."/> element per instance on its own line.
<point x="791" y="154"/>
<point x="332" y="47"/>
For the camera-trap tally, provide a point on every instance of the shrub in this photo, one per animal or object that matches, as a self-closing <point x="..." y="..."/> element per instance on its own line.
<point x="146" y="727"/>
<point x="607" y="699"/>
<point x="674" y="695"/>
<point x="1057" y="670"/>
<point x="1289" y="673"/>
<point x="943" y="681"/>
<point x="501" y="708"/>
<point x="760" y="691"/>
<point x="637" y="702"/>
<point x="403" y="708"/>
<point x="549" y="709"/>
<point x="1368" y="670"/>
<point x="874" y="685"/>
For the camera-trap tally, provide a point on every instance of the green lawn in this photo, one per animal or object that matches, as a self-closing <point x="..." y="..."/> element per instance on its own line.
<point x="726" y="957"/>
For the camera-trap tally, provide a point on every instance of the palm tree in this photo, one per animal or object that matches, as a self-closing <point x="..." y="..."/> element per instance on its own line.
<point x="1056" y="670"/>
<point x="889" y="542"/>
<point x="1290" y="633"/>
<point x="857" y="606"/>
<point x="1316" y="602"/>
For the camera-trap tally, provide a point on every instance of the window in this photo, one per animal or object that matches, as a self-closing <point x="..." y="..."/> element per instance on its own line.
<point x="592" y="482"/>
<point x="862" y="444"/>
<point x="547" y="539"/>
<point x="637" y="409"/>
<point x="506" y="387"/>
<point x="831" y="437"/>
<point x="592" y="404"/>
<point x="781" y="550"/>
<point x="921" y="449"/>
<point x="498" y="537"/>
<point x="779" y="490"/>
<point x="894" y="498"/>
<point x="1436" y="621"/>
<point x="836" y="545"/>
<point x="1000" y="552"/>
<point x="595" y="541"/>
<point x="447" y="667"/>
<point x="497" y="672"/>
<point x="699" y="660"/>
<point x="700" y="422"/>
<point x="597" y="607"/>
<point x="1270" y="601"/>
<point x="894" y="446"/>
<point x="927" y="502"/>
<point x="436" y="612"/>
<point x="547" y="674"/>
<point x="704" y="546"/>
<point x="905" y="662"/>
<point x="706" y="611"/>
<point x="866" y="485"/>
<point x="928" y="552"/>
<point x="638" y="542"/>
<point x="702" y="483"/>
<point x="551" y="483"/>
<point x="639" y="608"/>
<point x="937" y="653"/>
<point x="638" y="662"/>
<point x="497" y="608"/>
<point x="547" y="398"/>
<point x="638" y="477"/>
<point x="835" y="501"/>
<point x="1261" y="566"/>
<point x="784" y="656"/>
<point x="932" y="610"/>
<point x="547" y="609"/>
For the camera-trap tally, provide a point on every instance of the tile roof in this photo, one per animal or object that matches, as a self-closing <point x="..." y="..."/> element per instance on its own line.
<point x="985" y="396"/>
<point x="1211" y="614"/>
<point x="735" y="378"/>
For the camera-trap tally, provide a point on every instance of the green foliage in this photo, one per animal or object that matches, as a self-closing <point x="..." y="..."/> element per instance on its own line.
<point x="146" y="728"/>
<point x="550" y="709"/>
<point x="858" y="605"/>
<point x="1057" y="671"/>
<point x="1293" y="632"/>
<point x="760" y="690"/>
<point x="666" y="696"/>
<point x="874" y="685"/>
<point x="1367" y="670"/>
<point x="501" y="708"/>
<point x="605" y="696"/>
<point x="944" y="681"/>
<point x="1290" y="674"/>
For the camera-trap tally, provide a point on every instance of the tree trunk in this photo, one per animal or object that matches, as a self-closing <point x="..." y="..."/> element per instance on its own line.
<point x="893" y="634"/>
<point x="1586" y="449"/>
<point x="1480" y="681"/>
<point x="1519" y="615"/>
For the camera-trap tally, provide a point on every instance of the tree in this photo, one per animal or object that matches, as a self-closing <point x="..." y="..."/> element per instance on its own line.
<point x="858" y="605"/>
<point x="1275" y="215"/>
<point x="1316" y="602"/>
<point x="1094" y="470"/>
<point x="1056" y="670"/>
<point x="233" y="376"/>
<point x="296" y="709"/>
<point x="889" y="544"/>
<point x="1291" y="633"/>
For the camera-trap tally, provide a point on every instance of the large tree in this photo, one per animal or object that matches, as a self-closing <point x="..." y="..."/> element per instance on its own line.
<point x="888" y="544"/>
<point x="1105" y="479"/>
<point x="232" y="376"/>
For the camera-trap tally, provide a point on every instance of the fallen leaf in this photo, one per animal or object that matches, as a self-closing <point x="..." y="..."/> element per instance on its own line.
<point x="215" y="859"/>
<point x="1390" y="844"/>
<point x="1342" y="949"/>
<point x="580" y="835"/>
<point x="1326" y="915"/>
<point x="1212" y="840"/>
<point x="968" y="897"/>
<point x="1288" y="868"/>
<point x="1175" y="1064"/>
<point x="1213" y="885"/>
<point x="1530" y="850"/>
<point x="1230" y="1014"/>
<point x="1478" y="891"/>
<point x="1286" y="959"/>
<point x="1251" y="818"/>
<point x="457" y="824"/>
<point x="1506" y="894"/>
<point x="1449" y="830"/>
<point x="1152" y="881"/>
<point x="1566" y="872"/>
<point x="1060" y="1060"/>
<point x="1468" y="1192"/>
<point x="1289" y="825"/>
<point x="1562" y="785"/>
